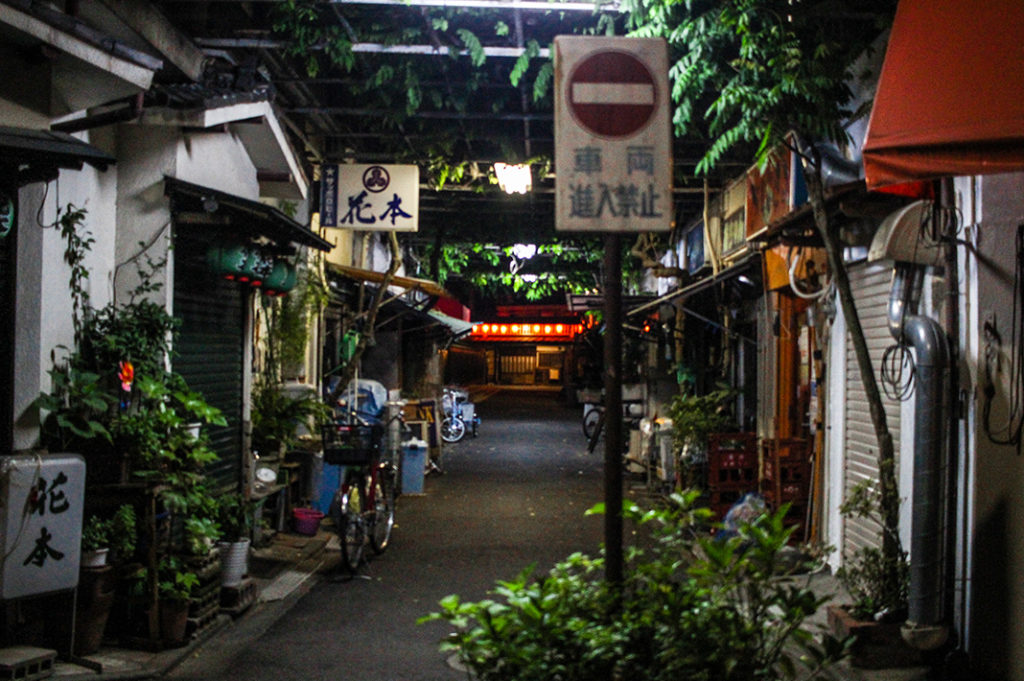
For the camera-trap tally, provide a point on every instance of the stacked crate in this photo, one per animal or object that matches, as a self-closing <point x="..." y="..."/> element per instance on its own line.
<point x="786" y="479"/>
<point x="732" y="470"/>
<point x="205" y="601"/>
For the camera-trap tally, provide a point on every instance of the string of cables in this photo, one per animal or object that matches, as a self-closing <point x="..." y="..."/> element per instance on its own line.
<point x="1008" y="432"/>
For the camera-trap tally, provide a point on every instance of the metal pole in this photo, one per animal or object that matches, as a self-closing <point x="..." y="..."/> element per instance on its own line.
<point x="613" y="407"/>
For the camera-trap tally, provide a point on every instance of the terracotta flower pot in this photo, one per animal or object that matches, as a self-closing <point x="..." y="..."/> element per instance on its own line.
<point x="173" y="622"/>
<point x="879" y="645"/>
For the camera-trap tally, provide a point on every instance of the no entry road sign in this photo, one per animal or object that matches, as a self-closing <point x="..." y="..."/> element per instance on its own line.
<point x="612" y="94"/>
<point x="613" y="157"/>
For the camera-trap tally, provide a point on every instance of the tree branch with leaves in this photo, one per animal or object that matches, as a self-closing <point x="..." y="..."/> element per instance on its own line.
<point x="747" y="73"/>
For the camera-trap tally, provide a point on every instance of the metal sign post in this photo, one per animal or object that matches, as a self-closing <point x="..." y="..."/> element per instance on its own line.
<point x="613" y="169"/>
<point x="613" y="408"/>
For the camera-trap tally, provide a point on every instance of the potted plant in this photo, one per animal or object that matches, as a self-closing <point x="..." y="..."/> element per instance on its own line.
<point x="174" y="585"/>
<point x="693" y="419"/>
<point x="235" y="520"/>
<point x="877" y="588"/>
<point x="95" y="542"/>
<point x="114" y="539"/>
<point x="277" y="416"/>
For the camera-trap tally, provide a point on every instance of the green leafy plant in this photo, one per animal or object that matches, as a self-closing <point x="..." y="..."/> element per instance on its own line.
<point x="200" y="533"/>
<point x="694" y="417"/>
<point x="78" y="409"/>
<point x="95" y="534"/>
<point x="877" y="582"/>
<point x="117" y="533"/>
<point x="174" y="581"/>
<point x="235" y="515"/>
<point x="691" y="606"/>
<point x="160" y="442"/>
<point x="277" y="416"/>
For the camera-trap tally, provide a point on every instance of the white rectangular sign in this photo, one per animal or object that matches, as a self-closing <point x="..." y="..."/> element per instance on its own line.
<point x="370" y="197"/>
<point x="41" y="503"/>
<point x="613" y="137"/>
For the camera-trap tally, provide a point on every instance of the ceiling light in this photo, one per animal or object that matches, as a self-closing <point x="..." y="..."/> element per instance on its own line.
<point x="524" y="251"/>
<point x="513" y="179"/>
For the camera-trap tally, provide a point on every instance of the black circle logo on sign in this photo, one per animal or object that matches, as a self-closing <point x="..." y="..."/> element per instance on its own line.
<point x="376" y="179"/>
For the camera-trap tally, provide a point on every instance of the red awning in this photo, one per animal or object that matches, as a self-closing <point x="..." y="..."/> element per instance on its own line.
<point x="950" y="99"/>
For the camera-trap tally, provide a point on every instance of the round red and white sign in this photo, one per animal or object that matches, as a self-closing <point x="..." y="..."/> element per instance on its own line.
<point x="611" y="94"/>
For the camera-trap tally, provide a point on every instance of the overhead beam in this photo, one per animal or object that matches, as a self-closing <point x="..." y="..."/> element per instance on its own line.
<point x="374" y="48"/>
<point x="174" y="45"/>
<point x="527" y="5"/>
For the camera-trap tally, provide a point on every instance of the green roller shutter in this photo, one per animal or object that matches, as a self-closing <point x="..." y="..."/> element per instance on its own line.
<point x="209" y="352"/>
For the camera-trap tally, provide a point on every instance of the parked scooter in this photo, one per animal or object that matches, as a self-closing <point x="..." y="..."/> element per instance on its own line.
<point x="459" y="415"/>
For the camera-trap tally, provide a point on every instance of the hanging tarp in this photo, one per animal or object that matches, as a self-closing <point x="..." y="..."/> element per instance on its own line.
<point x="949" y="100"/>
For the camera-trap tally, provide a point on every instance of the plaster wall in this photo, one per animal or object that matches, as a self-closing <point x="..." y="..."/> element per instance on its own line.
<point x="44" y="317"/>
<point x="996" y="614"/>
<point x="17" y="116"/>
<point x="146" y="154"/>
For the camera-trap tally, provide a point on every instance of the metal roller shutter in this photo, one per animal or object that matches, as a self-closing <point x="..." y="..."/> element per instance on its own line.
<point x="209" y="352"/>
<point x="870" y="285"/>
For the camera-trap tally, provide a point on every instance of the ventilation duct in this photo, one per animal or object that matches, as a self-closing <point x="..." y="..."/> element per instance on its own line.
<point x="903" y="237"/>
<point x="924" y="629"/>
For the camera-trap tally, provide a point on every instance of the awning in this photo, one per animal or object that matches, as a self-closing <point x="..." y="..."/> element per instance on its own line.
<point x="202" y="205"/>
<point x="734" y="270"/>
<point x="39" y="155"/>
<point x="410" y="283"/>
<point x="949" y="99"/>
<point x="458" y="327"/>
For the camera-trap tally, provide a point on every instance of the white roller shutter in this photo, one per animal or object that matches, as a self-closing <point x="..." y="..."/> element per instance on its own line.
<point x="870" y="285"/>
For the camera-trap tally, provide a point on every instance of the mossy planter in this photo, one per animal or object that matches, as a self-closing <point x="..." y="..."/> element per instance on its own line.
<point x="173" y="622"/>
<point x="879" y="645"/>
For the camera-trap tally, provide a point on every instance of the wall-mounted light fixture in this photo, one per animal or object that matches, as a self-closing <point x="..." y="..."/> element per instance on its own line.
<point x="513" y="179"/>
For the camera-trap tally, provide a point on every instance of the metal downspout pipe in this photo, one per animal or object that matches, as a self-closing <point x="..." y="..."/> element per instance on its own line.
<point x="924" y="629"/>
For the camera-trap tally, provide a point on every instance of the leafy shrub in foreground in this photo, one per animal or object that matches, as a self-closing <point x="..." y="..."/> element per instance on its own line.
<point x="690" y="607"/>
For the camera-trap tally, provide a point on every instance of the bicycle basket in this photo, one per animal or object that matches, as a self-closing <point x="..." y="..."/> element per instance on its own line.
<point x="351" y="444"/>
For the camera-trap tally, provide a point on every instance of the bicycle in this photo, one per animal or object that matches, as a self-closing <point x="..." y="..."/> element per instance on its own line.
<point x="363" y="508"/>
<point x="456" y="423"/>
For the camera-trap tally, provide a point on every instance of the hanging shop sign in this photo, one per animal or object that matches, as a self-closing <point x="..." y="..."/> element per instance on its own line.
<point x="525" y="331"/>
<point x="370" y="197"/>
<point x="6" y="215"/>
<point x="251" y="265"/>
<point x="612" y="135"/>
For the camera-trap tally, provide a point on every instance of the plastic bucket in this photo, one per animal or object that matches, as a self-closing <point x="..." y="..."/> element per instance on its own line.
<point x="306" y="520"/>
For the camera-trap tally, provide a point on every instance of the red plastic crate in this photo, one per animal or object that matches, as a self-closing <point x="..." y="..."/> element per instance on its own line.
<point x="732" y="470"/>
<point x="789" y="471"/>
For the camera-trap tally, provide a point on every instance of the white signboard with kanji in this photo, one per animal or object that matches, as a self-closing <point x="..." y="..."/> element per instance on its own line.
<point x="41" y="502"/>
<point x="370" y="197"/>
<point x="613" y="141"/>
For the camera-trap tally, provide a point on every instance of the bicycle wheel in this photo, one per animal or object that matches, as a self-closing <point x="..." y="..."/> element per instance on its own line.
<point x="383" y="519"/>
<point x="352" y="529"/>
<point x="590" y="422"/>
<point x="596" y="435"/>
<point x="452" y="429"/>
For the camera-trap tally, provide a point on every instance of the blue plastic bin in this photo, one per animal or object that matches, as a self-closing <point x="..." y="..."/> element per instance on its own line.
<point x="414" y="462"/>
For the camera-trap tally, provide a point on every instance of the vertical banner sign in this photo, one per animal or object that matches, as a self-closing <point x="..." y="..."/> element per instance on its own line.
<point x="41" y="501"/>
<point x="613" y="141"/>
<point x="370" y="197"/>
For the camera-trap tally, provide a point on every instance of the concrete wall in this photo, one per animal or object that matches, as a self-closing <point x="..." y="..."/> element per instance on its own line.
<point x="996" y="515"/>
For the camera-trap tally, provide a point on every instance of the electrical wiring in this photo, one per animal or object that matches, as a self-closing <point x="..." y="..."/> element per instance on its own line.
<point x="1008" y="432"/>
<point x="898" y="372"/>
